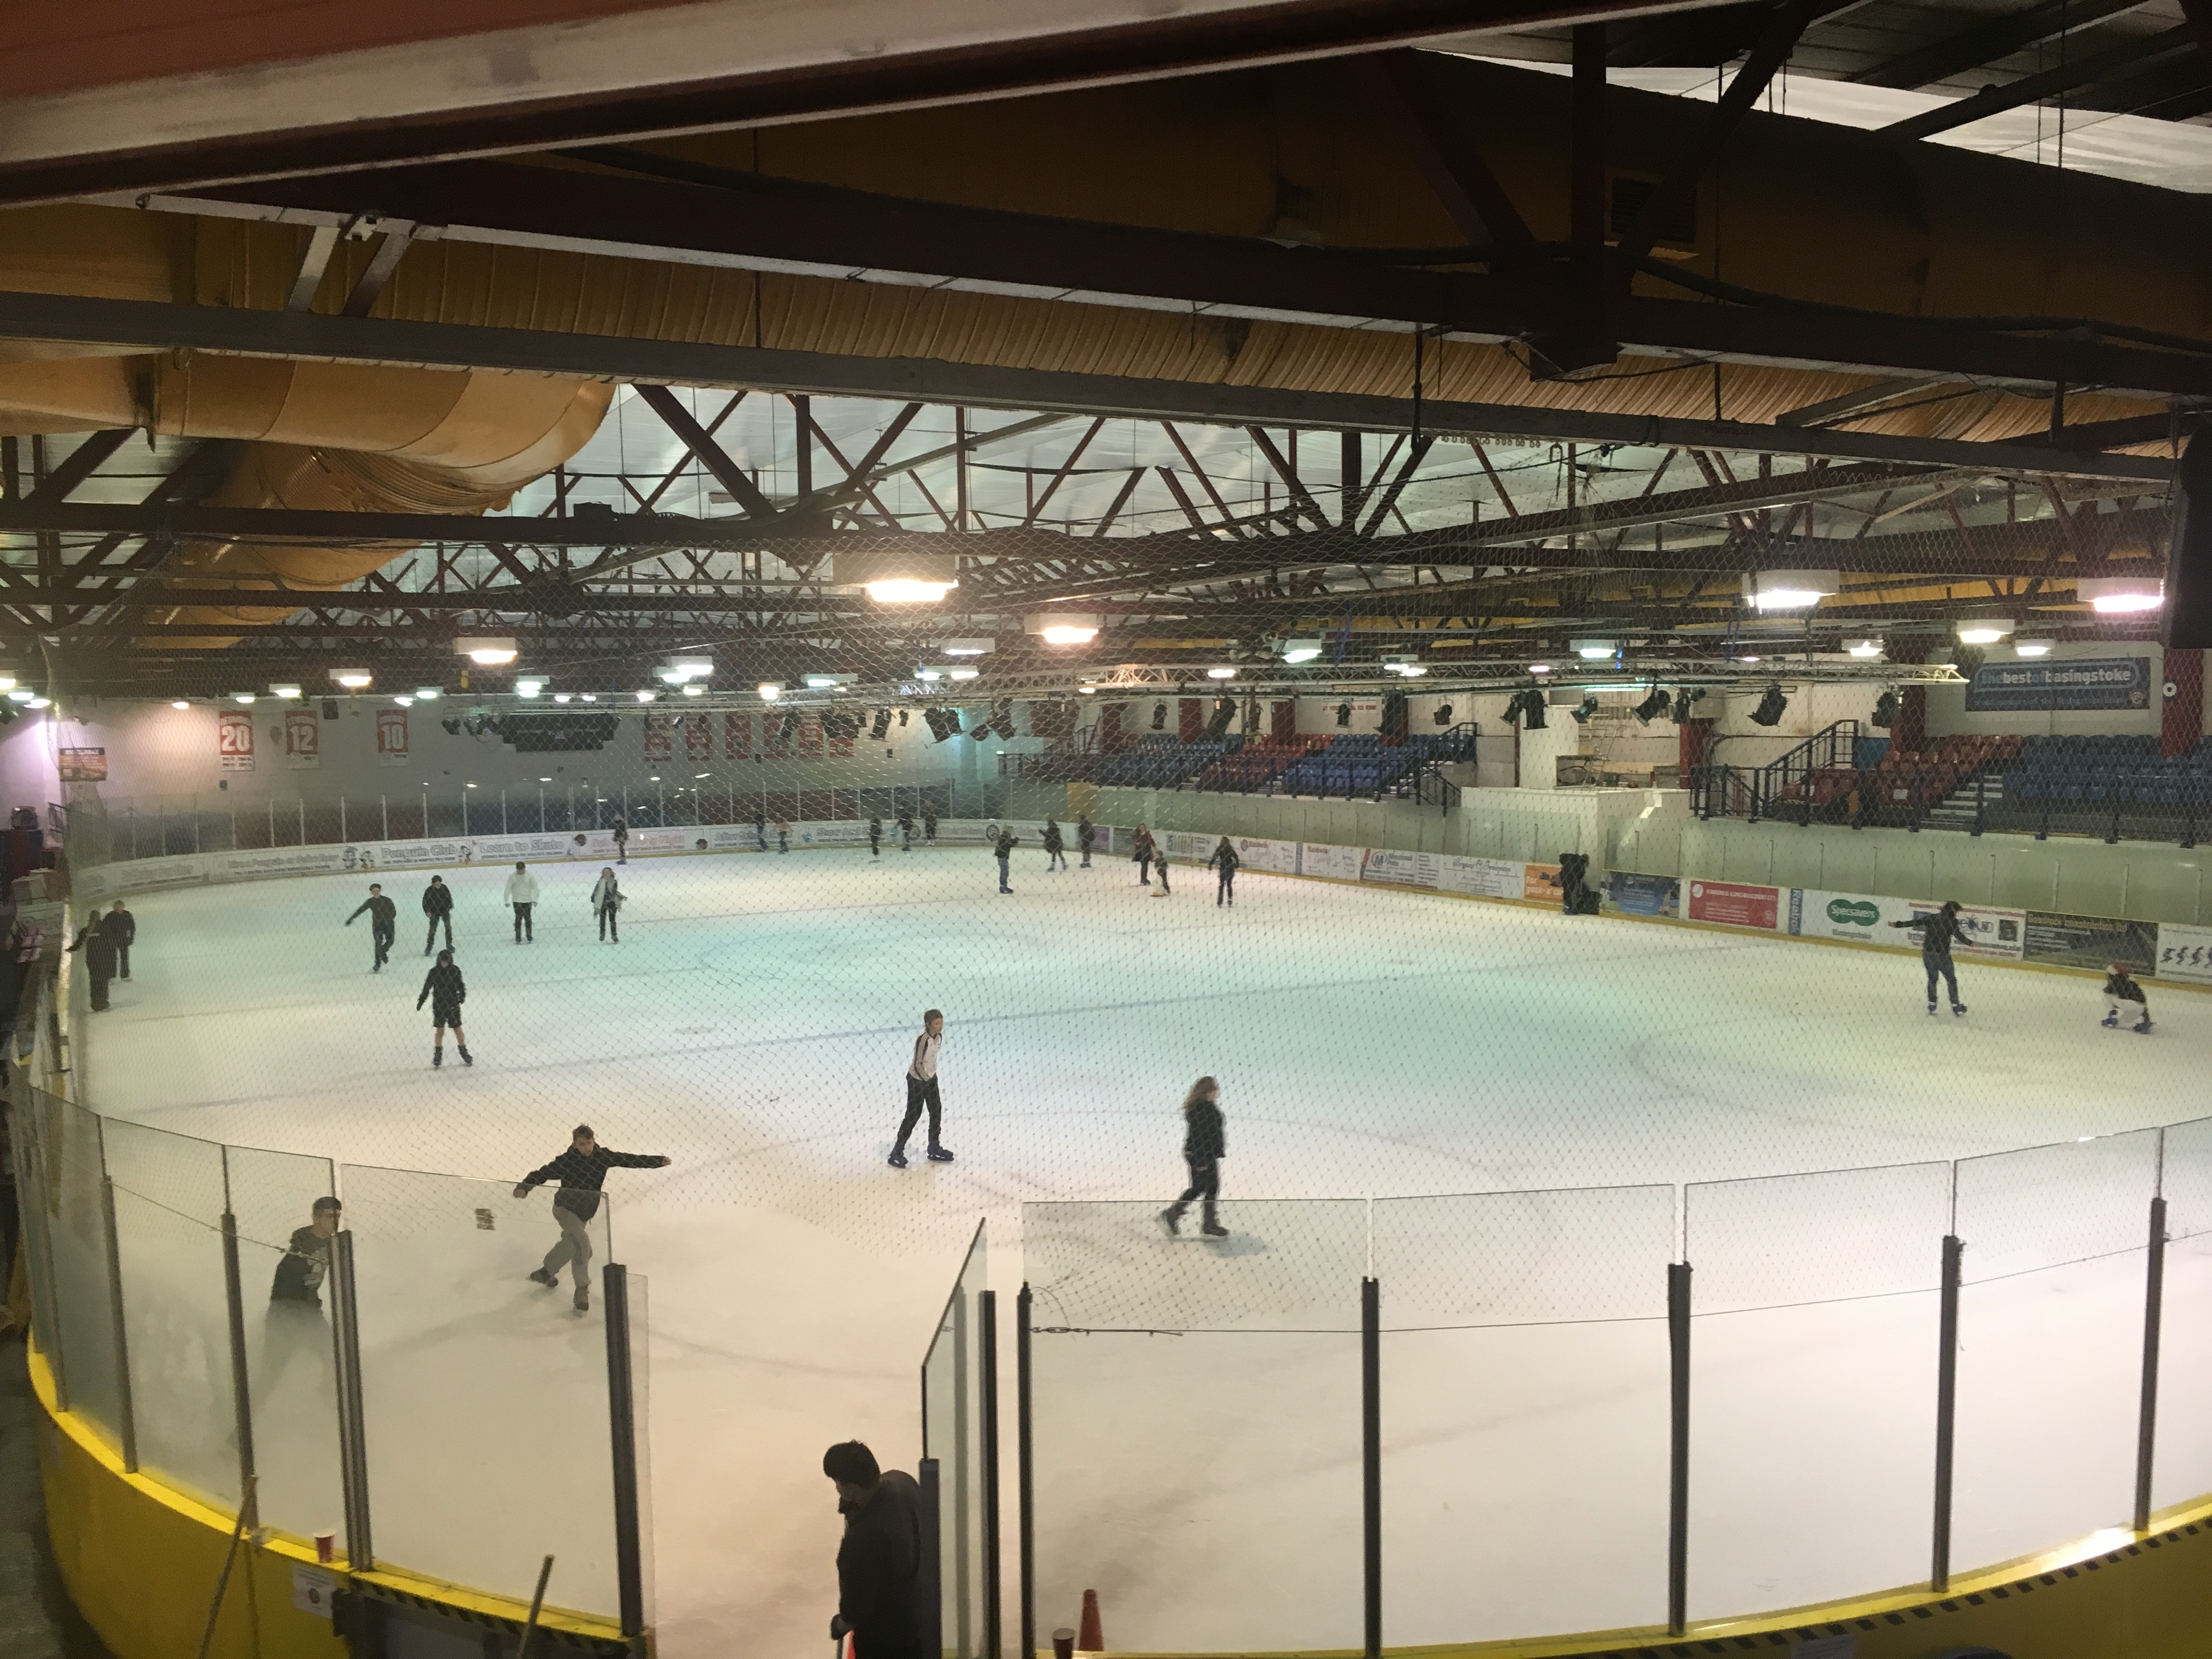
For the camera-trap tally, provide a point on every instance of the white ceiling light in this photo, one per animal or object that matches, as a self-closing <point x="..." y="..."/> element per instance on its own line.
<point x="896" y="576"/>
<point x="24" y="694"/>
<point x="1789" y="590"/>
<point x="487" y="650"/>
<point x="180" y="703"/>
<point x="647" y="696"/>
<point x="1086" y="690"/>
<point x="1062" y="627"/>
<point x="241" y="696"/>
<point x="1592" y="650"/>
<point x="978" y="647"/>
<point x="694" y="690"/>
<point x="591" y="696"/>
<point x="528" y="685"/>
<point x="2033" y="647"/>
<point x="828" y="682"/>
<point x="353" y="679"/>
<point x="1069" y="634"/>
<point x="1866" y="649"/>
<point x="2116" y="595"/>
<point x="929" y="673"/>
<point x="1301" y="650"/>
<point x="404" y="701"/>
<point x="964" y="673"/>
<point x="1221" y="673"/>
<point x="40" y="702"/>
<point x="558" y="696"/>
<point x="1539" y="668"/>
<point x="1982" y="630"/>
<point x="430" y="693"/>
<point x="7" y="682"/>
<point x="285" y="692"/>
<point x="770" y="690"/>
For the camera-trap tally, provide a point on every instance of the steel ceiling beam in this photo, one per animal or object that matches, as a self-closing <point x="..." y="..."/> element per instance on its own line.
<point x="1985" y="43"/>
<point x="152" y="326"/>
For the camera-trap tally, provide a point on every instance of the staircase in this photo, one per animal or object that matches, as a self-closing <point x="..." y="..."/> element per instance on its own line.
<point x="1965" y="806"/>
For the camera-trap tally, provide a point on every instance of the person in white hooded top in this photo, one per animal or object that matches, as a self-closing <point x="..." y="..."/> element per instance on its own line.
<point x="521" y="893"/>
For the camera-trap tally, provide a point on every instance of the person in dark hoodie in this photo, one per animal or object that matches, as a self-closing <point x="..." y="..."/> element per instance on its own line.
<point x="123" y="928"/>
<point x="1142" y="851"/>
<point x="443" y="988"/>
<point x="1086" y="838"/>
<point x="1055" y="847"/>
<point x="1204" y="1146"/>
<point x="2124" y="996"/>
<point x="1224" y="860"/>
<point x="879" y="1559"/>
<point x="582" y="1170"/>
<point x="437" y="905"/>
<point x="1003" y="849"/>
<point x="296" y="1327"/>
<point x="1939" y="931"/>
<point x="97" y="939"/>
<point x="383" y="923"/>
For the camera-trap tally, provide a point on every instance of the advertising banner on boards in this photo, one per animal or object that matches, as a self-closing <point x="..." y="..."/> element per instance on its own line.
<point x="2184" y="952"/>
<point x="1330" y="863"/>
<point x="1500" y="879"/>
<point x="1540" y="883"/>
<point x="1734" y="903"/>
<point x="82" y="766"/>
<point x="1394" y="867"/>
<point x="1644" y="896"/>
<point x="2090" y="941"/>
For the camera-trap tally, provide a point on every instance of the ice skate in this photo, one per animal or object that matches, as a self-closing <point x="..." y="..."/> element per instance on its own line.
<point x="1171" y="1221"/>
<point x="1214" y="1229"/>
<point x="467" y="1059"/>
<point x="1959" y="1009"/>
<point x="2110" y="1021"/>
<point x="1931" y="1011"/>
<point x="898" y="1159"/>
<point x="583" y="1300"/>
<point x="939" y="1155"/>
<point x="437" y="1058"/>
<point x="538" y="1275"/>
<point x="2142" y="1030"/>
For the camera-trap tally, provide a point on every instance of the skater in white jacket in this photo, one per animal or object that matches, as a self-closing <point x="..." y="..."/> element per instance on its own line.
<point x="521" y="893"/>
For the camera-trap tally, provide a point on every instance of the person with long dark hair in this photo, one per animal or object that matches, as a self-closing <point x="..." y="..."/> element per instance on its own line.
<point x="1225" y="858"/>
<point x="1939" y="931"/>
<point x="607" y="903"/>
<point x="1204" y="1146"/>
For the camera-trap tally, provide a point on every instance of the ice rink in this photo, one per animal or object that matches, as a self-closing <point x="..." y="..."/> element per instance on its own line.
<point x="754" y="1021"/>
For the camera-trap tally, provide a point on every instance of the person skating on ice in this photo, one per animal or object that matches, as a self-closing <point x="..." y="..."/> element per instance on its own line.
<point x="123" y="928"/>
<point x="1204" y="1146"/>
<point x="1055" y="847"/>
<point x="879" y="1559"/>
<point x="1142" y="851"/>
<point x="97" y="939"/>
<point x="929" y="825"/>
<point x="383" y="923"/>
<point x="582" y="1170"/>
<point x="445" y="991"/>
<point x="1003" y="849"/>
<point x="1939" y="931"/>
<point x="521" y="894"/>
<point x="876" y="837"/>
<point x="2125" y="1001"/>
<point x="1086" y="838"/>
<point x="607" y="903"/>
<point x="1160" y="865"/>
<point x="621" y="840"/>
<point x="438" y="905"/>
<point x="760" y="829"/>
<point x="782" y="835"/>
<point x="921" y="1090"/>
<point x="906" y="832"/>
<point x="1224" y="860"/>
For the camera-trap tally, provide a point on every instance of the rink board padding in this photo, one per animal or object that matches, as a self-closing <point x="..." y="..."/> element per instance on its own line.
<point x="141" y="1561"/>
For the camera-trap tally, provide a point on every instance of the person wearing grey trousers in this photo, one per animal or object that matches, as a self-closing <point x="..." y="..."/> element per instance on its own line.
<point x="582" y="1170"/>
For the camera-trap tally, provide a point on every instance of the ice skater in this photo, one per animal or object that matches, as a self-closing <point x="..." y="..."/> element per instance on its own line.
<point x="760" y="829"/>
<point x="929" y="825"/>
<point x="921" y="1090"/>
<point x="621" y="840"/>
<point x="782" y="835"/>
<point x="444" y="989"/>
<point x="906" y="832"/>
<point x="876" y="837"/>
<point x="1204" y="1146"/>
<point x="521" y="894"/>
<point x="1224" y="860"/>
<point x="1160" y="865"/>
<point x="580" y="1171"/>
<point x="2124" y="997"/>
<point x="96" y="938"/>
<point x="295" y="1326"/>
<point x="438" y="905"/>
<point x="1055" y="847"/>
<point x="607" y="903"/>
<point x="1003" y="849"/>
<point x="879" y="1560"/>
<point x="1142" y="851"/>
<point x="1086" y="838"/>
<point x="1939" y="931"/>
<point x="123" y="928"/>
<point x="383" y="923"/>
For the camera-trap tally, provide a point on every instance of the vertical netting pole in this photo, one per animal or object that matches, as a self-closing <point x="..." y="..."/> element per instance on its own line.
<point x="1025" y="1472"/>
<point x="987" y="1399"/>
<point x="1678" y="1456"/>
<point x="1947" y="1410"/>
<point x="2154" y="1310"/>
<point x="1370" y="1458"/>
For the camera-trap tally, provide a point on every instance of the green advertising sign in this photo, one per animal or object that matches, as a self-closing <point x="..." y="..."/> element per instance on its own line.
<point x="1854" y="913"/>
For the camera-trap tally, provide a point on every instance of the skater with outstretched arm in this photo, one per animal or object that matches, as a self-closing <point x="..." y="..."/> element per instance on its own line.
<point x="580" y="1171"/>
<point x="1939" y="931"/>
<point x="444" y="989"/>
<point x="1204" y="1146"/>
<point x="383" y="923"/>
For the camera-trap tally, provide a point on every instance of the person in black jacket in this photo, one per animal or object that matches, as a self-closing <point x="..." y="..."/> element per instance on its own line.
<point x="2123" y="995"/>
<point x="580" y="1171"/>
<point x="383" y="923"/>
<point x="621" y="840"/>
<point x="295" y="1325"/>
<point x="876" y="835"/>
<point x="1204" y="1146"/>
<point x="1003" y="849"/>
<point x="123" y="928"/>
<point x="760" y="829"/>
<point x="906" y="832"/>
<point x="1086" y="838"/>
<point x="1055" y="847"/>
<point x="878" y="1601"/>
<point x="1939" y="931"/>
<point x="1142" y="851"/>
<point x="446" y="992"/>
<point x="1224" y="860"/>
<point x="437" y="905"/>
<point x="95" y="939"/>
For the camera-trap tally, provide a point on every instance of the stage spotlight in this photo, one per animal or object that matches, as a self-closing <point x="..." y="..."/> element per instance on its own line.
<point x="1344" y="714"/>
<point x="1582" y="710"/>
<point x="453" y="727"/>
<point x="901" y="717"/>
<point x="789" y="728"/>
<point x="1225" y="711"/>
<point x="1884" y="709"/>
<point x="1769" y="712"/>
<point x="1683" y="701"/>
<point x="1652" y="706"/>
<point x="1442" y="715"/>
<point x="1159" y="717"/>
<point x="883" y="724"/>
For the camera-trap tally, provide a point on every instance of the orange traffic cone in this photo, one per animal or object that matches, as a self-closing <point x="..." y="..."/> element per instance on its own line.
<point x="1091" y="1639"/>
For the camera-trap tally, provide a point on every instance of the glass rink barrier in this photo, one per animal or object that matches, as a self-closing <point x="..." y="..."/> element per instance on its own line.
<point x="1483" y="1417"/>
<point x="960" y="1467"/>
<point x="348" y="1353"/>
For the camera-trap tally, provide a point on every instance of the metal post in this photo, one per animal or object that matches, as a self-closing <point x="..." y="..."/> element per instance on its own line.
<point x="302" y="805"/>
<point x="1370" y="1459"/>
<point x="2153" y="1301"/>
<point x="241" y="1383"/>
<point x="1024" y="1473"/>
<point x="464" y="811"/>
<point x="272" y="823"/>
<point x="629" y="1551"/>
<point x="1678" y="1458"/>
<point x="342" y="836"/>
<point x="384" y="806"/>
<point x="126" y="1412"/>
<point x="963" y="1460"/>
<point x="988" y="1340"/>
<point x="502" y="812"/>
<point x="1947" y="1401"/>
<point x="353" y="1444"/>
<point x="929" y="1579"/>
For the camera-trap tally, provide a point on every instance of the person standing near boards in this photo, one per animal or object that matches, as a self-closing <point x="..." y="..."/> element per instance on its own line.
<point x="123" y="928"/>
<point x="1939" y="931"/>
<point x="444" y="989"/>
<point x="607" y="903"/>
<point x="437" y="905"/>
<point x="521" y="894"/>
<point x="1055" y="847"/>
<point x="1003" y="849"/>
<point x="876" y="837"/>
<point x="880" y="1561"/>
<point x="96" y="938"/>
<point x="295" y="1326"/>
<point x="621" y="840"/>
<point x="921" y="1090"/>
<point x="1204" y="1146"/>
<point x="1086" y="838"/>
<point x="782" y="835"/>
<point x="929" y="825"/>
<point x="582" y="1170"/>
<point x="906" y="832"/>
<point x="1224" y="860"/>
<point x="1142" y="851"/>
<point x="760" y="829"/>
<point x="383" y="923"/>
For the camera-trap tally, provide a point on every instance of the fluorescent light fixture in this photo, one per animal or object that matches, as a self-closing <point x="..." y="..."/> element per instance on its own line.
<point x="963" y="673"/>
<point x="1068" y="633"/>
<point x="828" y="682"/>
<point x="353" y="679"/>
<point x="40" y="702"/>
<point x="21" y="694"/>
<point x="1412" y="670"/>
<point x="2033" y="647"/>
<point x="1086" y="690"/>
<point x="558" y="696"/>
<point x="1982" y="630"/>
<point x="528" y="685"/>
<point x="1866" y="649"/>
<point x="241" y="696"/>
<point x="1221" y="673"/>
<point x="1747" y="659"/>
<point x="1539" y="668"/>
<point x="178" y="703"/>
<point x="770" y="690"/>
<point x="2116" y="595"/>
<point x="968" y="647"/>
<point x="900" y="591"/>
<point x="487" y="650"/>
<point x="430" y="693"/>
<point x="287" y="692"/>
<point x="468" y="785"/>
<point x="1301" y="650"/>
<point x="647" y="696"/>
<point x="1592" y="650"/>
<point x="7" y="682"/>
<point x="929" y="673"/>
<point x="695" y="777"/>
<point x="589" y="696"/>
<point x="404" y="700"/>
<point x="1062" y="627"/>
<point x="1789" y="590"/>
<point x="693" y="668"/>
<point x="896" y="576"/>
<point x="694" y="690"/>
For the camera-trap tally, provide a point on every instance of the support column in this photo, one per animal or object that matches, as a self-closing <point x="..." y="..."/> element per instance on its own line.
<point x="2181" y="712"/>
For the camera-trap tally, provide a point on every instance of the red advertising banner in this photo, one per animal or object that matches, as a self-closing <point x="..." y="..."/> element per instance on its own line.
<point x="736" y="737"/>
<point x="659" y="746"/>
<point x="1734" y="904"/>
<point x="699" y="736"/>
<point x="233" y="740"/>
<point x="392" y="736"/>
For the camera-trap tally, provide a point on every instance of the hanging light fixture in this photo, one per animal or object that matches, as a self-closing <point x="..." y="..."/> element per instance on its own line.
<point x="896" y="576"/>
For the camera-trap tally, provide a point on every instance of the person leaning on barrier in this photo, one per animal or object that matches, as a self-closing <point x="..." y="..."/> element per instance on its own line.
<point x="879" y="1561"/>
<point x="296" y="1324"/>
<point x="96" y="938"/>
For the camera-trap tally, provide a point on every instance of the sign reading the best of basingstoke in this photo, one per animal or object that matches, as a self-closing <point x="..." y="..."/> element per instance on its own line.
<point x="2032" y="688"/>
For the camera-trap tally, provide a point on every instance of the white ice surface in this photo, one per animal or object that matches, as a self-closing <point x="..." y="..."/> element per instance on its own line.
<point x="754" y="1024"/>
